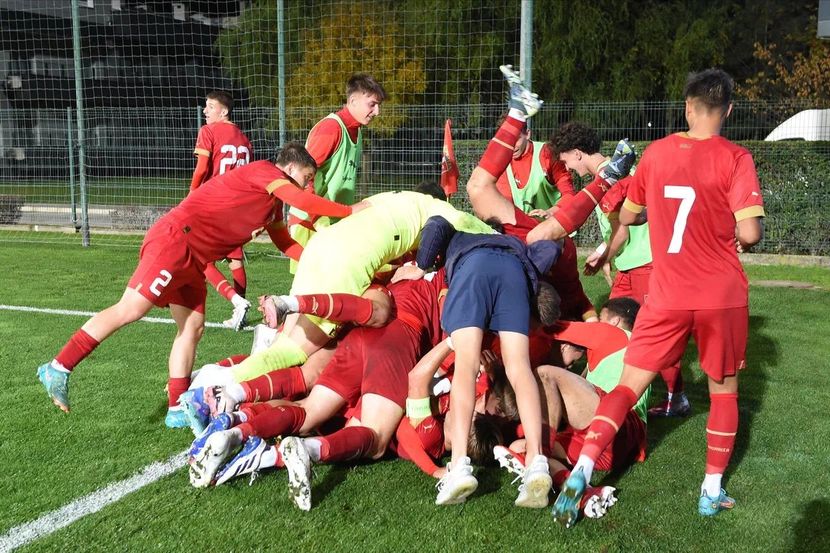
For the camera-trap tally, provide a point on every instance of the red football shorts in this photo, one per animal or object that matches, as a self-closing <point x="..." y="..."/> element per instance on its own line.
<point x="167" y="272"/>
<point x="629" y="444"/>
<point x="373" y="361"/>
<point x="236" y="254"/>
<point x="660" y="337"/>
<point x="632" y="283"/>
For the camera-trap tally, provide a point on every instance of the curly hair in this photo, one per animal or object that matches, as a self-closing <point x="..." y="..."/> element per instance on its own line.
<point x="574" y="135"/>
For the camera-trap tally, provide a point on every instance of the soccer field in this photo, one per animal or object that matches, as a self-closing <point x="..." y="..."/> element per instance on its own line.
<point x="779" y="474"/>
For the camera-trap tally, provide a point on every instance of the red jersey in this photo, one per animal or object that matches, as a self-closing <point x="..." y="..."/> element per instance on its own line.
<point x="695" y="191"/>
<point x="418" y="303"/>
<point x="226" y="146"/>
<point x="555" y="172"/>
<point x="599" y="339"/>
<point x="231" y="209"/>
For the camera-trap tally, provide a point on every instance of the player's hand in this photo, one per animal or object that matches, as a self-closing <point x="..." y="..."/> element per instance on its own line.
<point x="540" y="213"/>
<point x="407" y="272"/>
<point x="360" y="206"/>
<point x="439" y="474"/>
<point x="738" y="247"/>
<point x="488" y="360"/>
<point x="595" y="262"/>
<point x="606" y="272"/>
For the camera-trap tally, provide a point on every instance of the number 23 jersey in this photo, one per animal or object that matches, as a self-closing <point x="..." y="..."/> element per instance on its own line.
<point x="695" y="192"/>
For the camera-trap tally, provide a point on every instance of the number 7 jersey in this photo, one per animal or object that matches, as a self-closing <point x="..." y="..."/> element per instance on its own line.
<point x="695" y="192"/>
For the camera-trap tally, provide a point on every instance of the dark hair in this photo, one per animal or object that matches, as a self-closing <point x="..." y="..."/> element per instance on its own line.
<point x="222" y="97"/>
<point x="495" y="224"/>
<point x="431" y="188"/>
<point x="711" y="87"/>
<point x="486" y="432"/>
<point x="503" y="391"/>
<point x="294" y="152"/>
<point x="626" y="308"/>
<point x="547" y="304"/>
<point x="362" y="82"/>
<point x="574" y="135"/>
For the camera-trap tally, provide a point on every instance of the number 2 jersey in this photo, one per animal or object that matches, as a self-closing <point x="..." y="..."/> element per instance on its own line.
<point x="226" y="146"/>
<point x="695" y="192"/>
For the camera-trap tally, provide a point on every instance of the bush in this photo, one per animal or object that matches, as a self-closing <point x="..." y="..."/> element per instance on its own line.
<point x="10" y="209"/>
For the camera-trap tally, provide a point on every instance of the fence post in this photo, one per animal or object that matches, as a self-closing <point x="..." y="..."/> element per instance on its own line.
<point x="526" y="45"/>
<point x="281" y="69"/>
<point x="71" y="156"/>
<point x="79" y="108"/>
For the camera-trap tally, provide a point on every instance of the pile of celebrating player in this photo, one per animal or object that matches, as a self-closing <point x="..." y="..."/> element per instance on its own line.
<point x="416" y="329"/>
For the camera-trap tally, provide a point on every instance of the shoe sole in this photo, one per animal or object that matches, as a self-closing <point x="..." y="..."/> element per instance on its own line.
<point x="297" y="464"/>
<point x="538" y="491"/>
<point x="461" y="493"/>
<point x="206" y="464"/>
<point x="566" y="506"/>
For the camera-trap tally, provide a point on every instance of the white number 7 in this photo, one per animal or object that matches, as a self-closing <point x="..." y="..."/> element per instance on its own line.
<point x="686" y="195"/>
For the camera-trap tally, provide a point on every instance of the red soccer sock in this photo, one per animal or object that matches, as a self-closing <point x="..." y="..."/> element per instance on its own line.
<point x="499" y="150"/>
<point x="277" y="421"/>
<point x="573" y="214"/>
<point x="340" y="308"/>
<point x="240" y="280"/>
<point x="232" y="360"/>
<point x="721" y="428"/>
<point x="79" y="346"/>
<point x="250" y="410"/>
<point x="610" y="415"/>
<point x="559" y="478"/>
<point x="218" y="281"/>
<point x="673" y="379"/>
<point x="353" y="442"/>
<point x="280" y="384"/>
<point x="175" y="388"/>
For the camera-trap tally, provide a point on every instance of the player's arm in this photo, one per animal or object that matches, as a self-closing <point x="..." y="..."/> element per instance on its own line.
<point x="746" y="202"/>
<point x="312" y="204"/>
<point x="279" y="235"/>
<point x="409" y="442"/>
<point x="323" y="140"/>
<point x="420" y="381"/>
<point x="557" y="173"/>
<point x="201" y="171"/>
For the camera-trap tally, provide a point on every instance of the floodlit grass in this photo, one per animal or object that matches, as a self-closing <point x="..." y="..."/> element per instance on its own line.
<point x="780" y="471"/>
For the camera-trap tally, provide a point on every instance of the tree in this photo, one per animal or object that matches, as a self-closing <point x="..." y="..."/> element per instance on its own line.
<point x="336" y="40"/>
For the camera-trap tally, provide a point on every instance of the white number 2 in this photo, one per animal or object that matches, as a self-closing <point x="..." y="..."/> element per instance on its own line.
<point x="239" y="156"/>
<point x="161" y="282"/>
<point x="686" y="195"/>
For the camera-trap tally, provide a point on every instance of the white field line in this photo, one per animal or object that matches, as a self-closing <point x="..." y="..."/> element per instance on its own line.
<point x="28" y="309"/>
<point x="88" y="504"/>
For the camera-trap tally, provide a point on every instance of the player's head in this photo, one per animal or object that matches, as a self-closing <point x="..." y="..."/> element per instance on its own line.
<point x="495" y="224"/>
<point x="364" y="95"/>
<point x="486" y="432"/>
<point x="620" y="312"/>
<point x="297" y="163"/>
<point x="431" y="188"/>
<point x="547" y="305"/>
<point x="709" y="92"/>
<point x="218" y="106"/>
<point x="573" y="143"/>
<point x="522" y="141"/>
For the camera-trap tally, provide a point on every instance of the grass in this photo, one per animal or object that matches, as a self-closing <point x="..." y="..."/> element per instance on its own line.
<point x="779" y="474"/>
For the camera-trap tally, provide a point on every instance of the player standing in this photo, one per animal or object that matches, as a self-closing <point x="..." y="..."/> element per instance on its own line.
<point x="220" y="147"/>
<point x="703" y="196"/>
<point x="336" y="143"/>
<point x="207" y="225"/>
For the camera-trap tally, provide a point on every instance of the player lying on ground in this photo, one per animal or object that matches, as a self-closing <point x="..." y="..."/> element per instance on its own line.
<point x="703" y="195"/>
<point x="212" y="221"/>
<point x="368" y="371"/>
